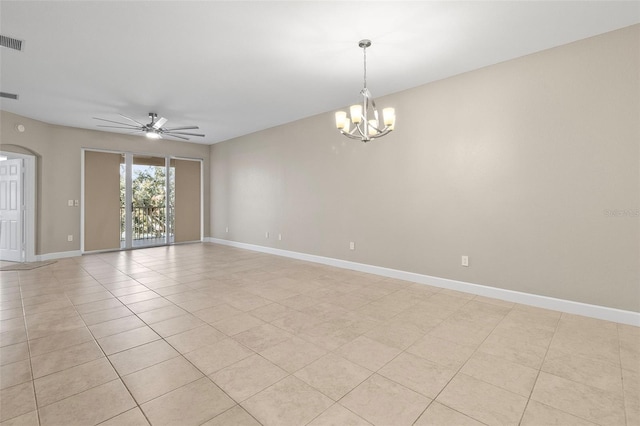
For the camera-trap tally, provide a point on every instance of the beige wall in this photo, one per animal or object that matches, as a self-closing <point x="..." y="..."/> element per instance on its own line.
<point x="58" y="152"/>
<point x="513" y="165"/>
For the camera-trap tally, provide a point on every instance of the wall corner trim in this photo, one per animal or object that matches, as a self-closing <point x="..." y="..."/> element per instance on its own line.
<point x="562" y="305"/>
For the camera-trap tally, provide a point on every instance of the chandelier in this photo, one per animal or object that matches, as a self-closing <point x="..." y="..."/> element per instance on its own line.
<point x="365" y="117"/>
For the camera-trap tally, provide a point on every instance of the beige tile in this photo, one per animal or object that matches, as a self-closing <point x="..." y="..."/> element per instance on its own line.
<point x="98" y="306"/>
<point x="59" y="341"/>
<point x="337" y="415"/>
<point x="143" y="356"/>
<point x="329" y="337"/>
<point x="90" y="407"/>
<point x="15" y="373"/>
<point x="149" y="305"/>
<point x="439" y="415"/>
<point x="262" y="337"/>
<point x="418" y="374"/>
<point x="290" y="402"/>
<point x="138" y="297"/>
<point x="192" y="404"/>
<point x="592" y="372"/>
<point x="177" y="325"/>
<point x="293" y="354"/>
<point x="482" y="401"/>
<point x="126" y="340"/>
<point x="332" y="375"/>
<point x="130" y="289"/>
<point x="444" y="352"/>
<point x="583" y="401"/>
<point x="28" y="419"/>
<point x="13" y="337"/>
<point x="520" y="351"/>
<point x="464" y="332"/>
<point x="91" y="297"/>
<point x="397" y="334"/>
<point x="296" y="322"/>
<point x="71" y="381"/>
<point x="247" y="377"/>
<point x="540" y="414"/>
<point x="221" y="354"/>
<point x="236" y="416"/>
<point x="48" y="323"/>
<point x="161" y="314"/>
<point x="631" y="384"/>
<point x="195" y="338"/>
<point x="98" y="317"/>
<point x="52" y="362"/>
<point x="630" y="354"/>
<point x="217" y="313"/>
<point x="160" y="378"/>
<point x="368" y="353"/>
<point x="116" y="326"/>
<point x="237" y="324"/>
<point x="16" y="401"/>
<point x="508" y="375"/>
<point x="271" y="312"/>
<point x="13" y="353"/>
<point x="132" y="417"/>
<point x="383" y="402"/>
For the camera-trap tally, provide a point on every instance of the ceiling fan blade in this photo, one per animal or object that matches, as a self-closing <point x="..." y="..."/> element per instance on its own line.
<point x="184" y="133"/>
<point x="116" y="122"/>
<point x="119" y="127"/>
<point x="159" y="122"/>
<point x="175" y="136"/>
<point x="131" y="119"/>
<point x="182" y="128"/>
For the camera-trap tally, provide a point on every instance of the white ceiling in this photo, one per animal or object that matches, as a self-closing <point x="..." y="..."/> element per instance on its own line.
<point x="235" y="67"/>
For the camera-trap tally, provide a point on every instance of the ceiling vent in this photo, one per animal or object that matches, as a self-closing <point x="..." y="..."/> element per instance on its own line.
<point x="11" y="43"/>
<point x="8" y="95"/>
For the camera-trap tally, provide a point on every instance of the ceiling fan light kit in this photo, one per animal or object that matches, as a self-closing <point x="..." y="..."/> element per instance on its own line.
<point x="365" y="128"/>
<point x="152" y="130"/>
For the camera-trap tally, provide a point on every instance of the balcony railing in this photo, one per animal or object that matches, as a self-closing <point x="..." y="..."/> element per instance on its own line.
<point x="148" y="223"/>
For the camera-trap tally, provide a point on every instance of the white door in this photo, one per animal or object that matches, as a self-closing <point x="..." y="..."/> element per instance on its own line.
<point x="11" y="223"/>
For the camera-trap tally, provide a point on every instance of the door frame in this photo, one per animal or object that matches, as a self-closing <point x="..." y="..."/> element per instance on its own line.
<point x="167" y="158"/>
<point x="29" y="202"/>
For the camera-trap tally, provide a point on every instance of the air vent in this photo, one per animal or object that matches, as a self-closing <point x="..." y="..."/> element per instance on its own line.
<point x="8" y="95"/>
<point x="11" y="43"/>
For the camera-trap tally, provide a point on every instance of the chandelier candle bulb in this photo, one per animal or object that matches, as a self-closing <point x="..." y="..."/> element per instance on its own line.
<point x="356" y="113"/>
<point x="389" y="115"/>
<point x="341" y="119"/>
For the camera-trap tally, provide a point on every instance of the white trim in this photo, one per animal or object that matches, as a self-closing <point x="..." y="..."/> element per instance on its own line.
<point x="59" y="255"/>
<point x="568" y="306"/>
<point x="29" y="202"/>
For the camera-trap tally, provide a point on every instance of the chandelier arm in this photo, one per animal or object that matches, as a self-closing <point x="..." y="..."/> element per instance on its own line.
<point x="350" y="135"/>
<point x="382" y="133"/>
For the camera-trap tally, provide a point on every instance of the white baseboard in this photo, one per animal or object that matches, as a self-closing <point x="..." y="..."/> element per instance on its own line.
<point x="568" y="306"/>
<point x="59" y="255"/>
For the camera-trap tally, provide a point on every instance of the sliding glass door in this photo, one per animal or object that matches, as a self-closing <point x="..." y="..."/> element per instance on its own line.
<point x="158" y="201"/>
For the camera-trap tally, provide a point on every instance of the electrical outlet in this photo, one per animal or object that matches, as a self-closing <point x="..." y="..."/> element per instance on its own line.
<point x="69" y="237"/>
<point x="266" y="234"/>
<point x="70" y="203"/>
<point x="226" y="229"/>
<point x="76" y="203"/>
<point x="465" y="260"/>
<point x="352" y="245"/>
<point x="279" y="237"/>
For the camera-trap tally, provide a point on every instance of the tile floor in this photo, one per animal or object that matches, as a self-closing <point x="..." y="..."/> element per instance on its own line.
<point x="210" y="335"/>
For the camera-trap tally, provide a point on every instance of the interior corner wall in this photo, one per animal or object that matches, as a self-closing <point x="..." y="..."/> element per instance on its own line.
<point x="58" y="150"/>
<point x="530" y="167"/>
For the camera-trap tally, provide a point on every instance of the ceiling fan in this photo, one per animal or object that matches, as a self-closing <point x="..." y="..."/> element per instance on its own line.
<point x="154" y="129"/>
